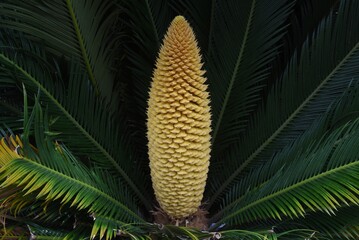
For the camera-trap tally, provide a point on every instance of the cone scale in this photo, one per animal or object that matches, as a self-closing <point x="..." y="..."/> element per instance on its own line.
<point x="179" y="123"/>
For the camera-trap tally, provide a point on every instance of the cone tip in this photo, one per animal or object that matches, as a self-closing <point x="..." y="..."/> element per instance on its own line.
<point x="179" y="18"/>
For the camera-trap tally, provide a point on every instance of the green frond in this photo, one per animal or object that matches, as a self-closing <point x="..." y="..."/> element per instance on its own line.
<point x="23" y="213"/>
<point x="322" y="177"/>
<point x="306" y="90"/>
<point x="244" y="41"/>
<point x="81" y="30"/>
<point x="148" y="21"/>
<point x="51" y="184"/>
<point x="78" y="234"/>
<point x="8" y="149"/>
<point x="106" y="226"/>
<point x="42" y="233"/>
<point x="303" y="20"/>
<point x="172" y="232"/>
<point x="340" y="113"/>
<point x="343" y="226"/>
<point x="283" y="78"/>
<point x="90" y="130"/>
<point x="53" y="173"/>
<point x="267" y="235"/>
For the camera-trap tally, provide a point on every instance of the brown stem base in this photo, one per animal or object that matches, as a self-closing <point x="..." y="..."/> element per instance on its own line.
<point x="197" y="220"/>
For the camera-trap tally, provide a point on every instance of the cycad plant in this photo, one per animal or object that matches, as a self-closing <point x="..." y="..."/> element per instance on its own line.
<point x="245" y="127"/>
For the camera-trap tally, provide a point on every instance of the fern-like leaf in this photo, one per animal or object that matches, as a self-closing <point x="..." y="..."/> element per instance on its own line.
<point x="306" y="90"/>
<point x="93" y="132"/>
<point x="64" y="26"/>
<point x="53" y="173"/>
<point x="320" y="177"/>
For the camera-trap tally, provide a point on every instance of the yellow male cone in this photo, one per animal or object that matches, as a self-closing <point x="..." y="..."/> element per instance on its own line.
<point x="179" y="123"/>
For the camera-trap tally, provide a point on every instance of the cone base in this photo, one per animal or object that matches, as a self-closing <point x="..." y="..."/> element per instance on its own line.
<point x="197" y="220"/>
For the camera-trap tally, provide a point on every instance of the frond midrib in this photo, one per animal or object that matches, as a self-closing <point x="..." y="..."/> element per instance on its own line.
<point x="82" y="130"/>
<point x="81" y="43"/>
<point x="85" y="185"/>
<point x="297" y="185"/>
<point x="234" y="73"/>
<point x="281" y="127"/>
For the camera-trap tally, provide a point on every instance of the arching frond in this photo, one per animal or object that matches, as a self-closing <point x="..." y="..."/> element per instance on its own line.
<point x="147" y="21"/>
<point x="320" y="177"/>
<point x="53" y="173"/>
<point x="83" y="191"/>
<point x="344" y="225"/>
<point x="283" y="78"/>
<point x="39" y="232"/>
<point x="244" y="40"/>
<point x="82" y="30"/>
<point x="91" y="130"/>
<point x="9" y="147"/>
<point x="343" y="111"/>
<point x="308" y="87"/>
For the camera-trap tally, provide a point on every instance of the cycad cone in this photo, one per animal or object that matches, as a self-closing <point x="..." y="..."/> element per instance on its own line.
<point x="179" y="123"/>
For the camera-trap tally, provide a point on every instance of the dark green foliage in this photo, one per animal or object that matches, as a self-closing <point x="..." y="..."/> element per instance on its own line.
<point x="284" y="85"/>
